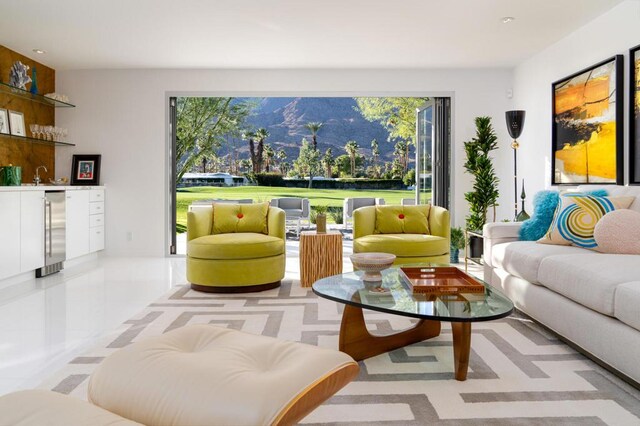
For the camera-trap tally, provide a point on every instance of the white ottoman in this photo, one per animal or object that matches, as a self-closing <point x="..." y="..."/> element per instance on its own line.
<point x="41" y="407"/>
<point x="207" y="375"/>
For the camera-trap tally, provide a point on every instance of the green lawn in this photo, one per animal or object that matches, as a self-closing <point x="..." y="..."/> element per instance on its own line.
<point x="317" y="197"/>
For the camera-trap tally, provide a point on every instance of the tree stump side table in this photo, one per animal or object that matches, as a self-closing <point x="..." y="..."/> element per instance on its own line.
<point x="320" y="256"/>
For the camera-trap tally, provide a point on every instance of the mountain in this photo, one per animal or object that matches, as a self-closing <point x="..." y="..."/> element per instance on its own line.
<point x="285" y="119"/>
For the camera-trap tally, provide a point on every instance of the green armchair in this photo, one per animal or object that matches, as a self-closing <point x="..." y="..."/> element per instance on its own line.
<point x="415" y="234"/>
<point x="240" y="248"/>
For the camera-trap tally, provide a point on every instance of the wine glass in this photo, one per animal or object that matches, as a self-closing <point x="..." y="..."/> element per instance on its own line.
<point x="48" y="133"/>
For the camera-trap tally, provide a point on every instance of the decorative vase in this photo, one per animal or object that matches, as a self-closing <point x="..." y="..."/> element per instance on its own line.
<point x="34" y="81"/>
<point x="321" y="223"/>
<point x="454" y="255"/>
<point x="476" y="247"/>
<point x="10" y="175"/>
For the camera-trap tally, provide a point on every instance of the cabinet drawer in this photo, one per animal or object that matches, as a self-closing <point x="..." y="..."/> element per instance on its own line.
<point x="96" y="208"/>
<point x="96" y="239"/>
<point x="96" y="195"/>
<point x="96" y="220"/>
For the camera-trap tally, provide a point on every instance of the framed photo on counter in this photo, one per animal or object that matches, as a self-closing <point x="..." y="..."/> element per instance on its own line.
<point x="85" y="170"/>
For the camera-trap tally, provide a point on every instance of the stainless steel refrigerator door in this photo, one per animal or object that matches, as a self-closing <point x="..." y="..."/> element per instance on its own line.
<point x="55" y="227"/>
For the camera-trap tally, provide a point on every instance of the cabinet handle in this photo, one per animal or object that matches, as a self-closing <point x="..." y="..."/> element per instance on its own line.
<point x="50" y="228"/>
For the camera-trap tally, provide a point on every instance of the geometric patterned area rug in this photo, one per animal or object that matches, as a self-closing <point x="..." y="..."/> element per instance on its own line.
<point x="518" y="373"/>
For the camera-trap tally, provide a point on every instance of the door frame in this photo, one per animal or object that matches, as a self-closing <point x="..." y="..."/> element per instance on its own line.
<point x="169" y="181"/>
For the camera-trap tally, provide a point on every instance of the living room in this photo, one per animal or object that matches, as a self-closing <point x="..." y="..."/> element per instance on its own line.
<point x="122" y="92"/>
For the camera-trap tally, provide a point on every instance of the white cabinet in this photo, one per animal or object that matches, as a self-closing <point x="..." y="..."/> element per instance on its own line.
<point x="31" y="230"/>
<point x="10" y="234"/>
<point x="96" y="220"/>
<point x="85" y="222"/>
<point x="77" y="212"/>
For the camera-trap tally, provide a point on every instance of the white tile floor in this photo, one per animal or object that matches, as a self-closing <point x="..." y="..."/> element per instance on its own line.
<point x="47" y="322"/>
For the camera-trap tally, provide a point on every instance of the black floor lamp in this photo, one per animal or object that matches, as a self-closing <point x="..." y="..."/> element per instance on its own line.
<point x="515" y="123"/>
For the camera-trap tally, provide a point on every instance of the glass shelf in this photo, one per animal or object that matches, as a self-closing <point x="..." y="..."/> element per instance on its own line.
<point x="21" y="93"/>
<point x="37" y="141"/>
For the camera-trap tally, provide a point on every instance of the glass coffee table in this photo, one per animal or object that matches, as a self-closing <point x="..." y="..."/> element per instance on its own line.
<point x="393" y="295"/>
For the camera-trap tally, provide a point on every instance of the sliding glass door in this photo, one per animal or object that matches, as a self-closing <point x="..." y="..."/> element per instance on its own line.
<point x="433" y="147"/>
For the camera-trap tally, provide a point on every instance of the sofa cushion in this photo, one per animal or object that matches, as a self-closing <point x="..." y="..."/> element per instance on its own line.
<point x="627" y="304"/>
<point x="576" y="217"/>
<point x="618" y="232"/>
<point x="402" y="219"/>
<point x="404" y="245"/>
<point x="246" y="245"/>
<point x="590" y="279"/>
<point x="228" y="218"/>
<point x="522" y="258"/>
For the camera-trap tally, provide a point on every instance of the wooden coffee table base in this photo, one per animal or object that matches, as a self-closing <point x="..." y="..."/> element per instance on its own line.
<point x="356" y="340"/>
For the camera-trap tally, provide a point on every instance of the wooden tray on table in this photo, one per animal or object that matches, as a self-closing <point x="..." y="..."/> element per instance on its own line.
<point x="440" y="280"/>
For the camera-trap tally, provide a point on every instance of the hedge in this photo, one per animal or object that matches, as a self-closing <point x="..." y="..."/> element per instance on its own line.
<point x="345" y="184"/>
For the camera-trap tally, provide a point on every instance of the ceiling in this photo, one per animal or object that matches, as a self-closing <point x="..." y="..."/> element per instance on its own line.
<point x="243" y="34"/>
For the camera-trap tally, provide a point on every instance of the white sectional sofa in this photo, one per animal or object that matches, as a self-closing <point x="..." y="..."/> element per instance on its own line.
<point x="589" y="298"/>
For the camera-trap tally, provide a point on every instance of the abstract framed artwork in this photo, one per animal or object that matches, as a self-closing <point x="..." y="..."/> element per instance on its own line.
<point x="587" y="126"/>
<point x="634" y="116"/>
<point x="4" y="121"/>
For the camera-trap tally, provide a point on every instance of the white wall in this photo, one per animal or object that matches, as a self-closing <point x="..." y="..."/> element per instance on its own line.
<point x="611" y="33"/>
<point x="122" y="114"/>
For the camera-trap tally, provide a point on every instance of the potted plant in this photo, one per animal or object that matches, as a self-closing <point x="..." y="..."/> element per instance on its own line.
<point x="485" y="186"/>
<point x="457" y="243"/>
<point x="320" y="219"/>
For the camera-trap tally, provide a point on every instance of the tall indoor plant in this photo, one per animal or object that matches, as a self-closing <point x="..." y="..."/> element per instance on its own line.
<point x="485" y="185"/>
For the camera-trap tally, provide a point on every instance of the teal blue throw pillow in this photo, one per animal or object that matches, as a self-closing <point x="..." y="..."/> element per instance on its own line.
<point x="544" y="207"/>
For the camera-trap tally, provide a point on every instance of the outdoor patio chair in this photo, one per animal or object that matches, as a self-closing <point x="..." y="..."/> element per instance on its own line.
<point x="351" y="204"/>
<point x="408" y="202"/>
<point x="295" y="210"/>
<point x="209" y="201"/>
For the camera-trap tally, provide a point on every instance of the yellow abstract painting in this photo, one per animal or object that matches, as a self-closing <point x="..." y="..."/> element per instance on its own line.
<point x="585" y="133"/>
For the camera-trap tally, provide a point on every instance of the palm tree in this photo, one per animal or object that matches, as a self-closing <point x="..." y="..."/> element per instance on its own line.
<point x="250" y="137"/>
<point x="314" y="127"/>
<point x="261" y="135"/>
<point x="269" y="154"/>
<point x="375" y="151"/>
<point x="284" y="167"/>
<point x="401" y="152"/>
<point x="328" y="162"/>
<point x="244" y="164"/>
<point x="352" y="149"/>
<point x="281" y="156"/>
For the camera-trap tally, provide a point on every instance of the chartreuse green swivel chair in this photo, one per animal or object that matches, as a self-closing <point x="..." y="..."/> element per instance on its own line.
<point x="235" y="247"/>
<point x="415" y="234"/>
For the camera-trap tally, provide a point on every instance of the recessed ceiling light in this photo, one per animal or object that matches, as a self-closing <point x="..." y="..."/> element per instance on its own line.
<point x="507" y="19"/>
<point x="39" y="51"/>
